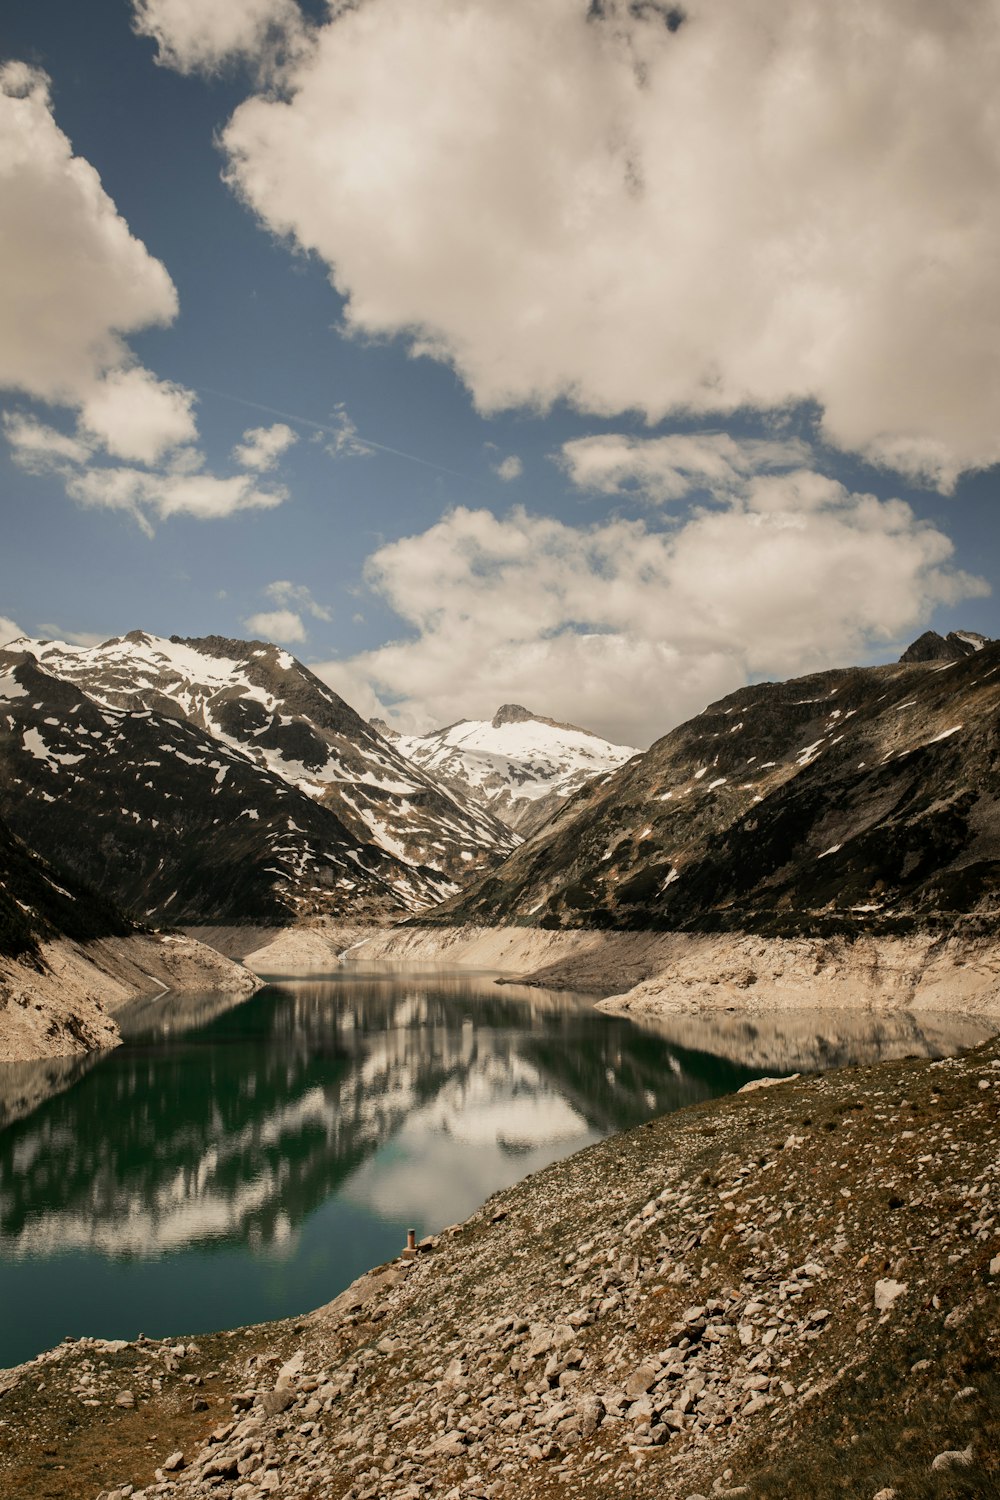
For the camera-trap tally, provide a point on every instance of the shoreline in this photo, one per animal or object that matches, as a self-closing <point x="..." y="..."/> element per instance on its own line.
<point x="63" y="1003"/>
<point x="658" y="974"/>
<point x="686" y="1307"/>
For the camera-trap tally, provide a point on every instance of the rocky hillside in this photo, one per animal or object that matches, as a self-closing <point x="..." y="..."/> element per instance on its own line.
<point x="220" y="787"/>
<point x="38" y="903"/>
<point x="258" y="700"/>
<point x="699" y="1307"/>
<point x="520" y="764"/>
<point x="864" y="799"/>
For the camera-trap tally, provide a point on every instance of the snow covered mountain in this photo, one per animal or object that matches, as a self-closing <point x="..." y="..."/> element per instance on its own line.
<point x="221" y="780"/>
<point x="522" y="765"/>
<point x="857" y="800"/>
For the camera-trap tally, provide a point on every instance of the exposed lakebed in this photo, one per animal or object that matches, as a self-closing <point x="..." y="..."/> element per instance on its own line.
<point x="238" y="1160"/>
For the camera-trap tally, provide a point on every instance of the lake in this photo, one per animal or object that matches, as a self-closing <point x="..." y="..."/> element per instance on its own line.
<point x="244" y="1159"/>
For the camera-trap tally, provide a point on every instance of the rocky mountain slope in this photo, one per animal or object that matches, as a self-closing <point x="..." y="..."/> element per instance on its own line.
<point x="38" y="903"/>
<point x="521" y="764"/>
<point x="222" y="781"/>
<point x="68" y="958"/>
<point x="857" y="800"/>
<point x="699" y="1307"/>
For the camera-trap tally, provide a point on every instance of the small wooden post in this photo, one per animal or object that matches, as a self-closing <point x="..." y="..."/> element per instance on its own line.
<point x="411" y="1239"/>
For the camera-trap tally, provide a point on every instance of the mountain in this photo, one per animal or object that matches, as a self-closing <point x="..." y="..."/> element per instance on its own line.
<point x="864" y="799"/>
<point x="221" y="781"/>
<point x="38" y="903"/>
<point x="951" y="647"/>
<point x="284" y="777"/>
<point x="522" y="765"/>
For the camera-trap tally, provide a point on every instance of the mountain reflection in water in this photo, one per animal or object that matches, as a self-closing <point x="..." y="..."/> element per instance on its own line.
<point x="241" y="1160"/>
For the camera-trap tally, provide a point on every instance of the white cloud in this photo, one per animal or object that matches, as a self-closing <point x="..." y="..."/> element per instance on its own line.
<point x="629" y="630"/>
<point x="73" y="282"/>
<point x="263" y="446"/>
<point x="141" y="493"/>
<point x="202" y="35"/>
<point x="8" y="630"/>
<point x="284" y="592"/>
<point x="509" y="468"/>
<point x="668" y="468"/>
<point x="73" y="279"/>
<point x="277" y="625"/>
<point x="37" y="448"/>
<point x="345" y="441"/>
<point x="773" y="201"/>
<point x="135" y="416"/>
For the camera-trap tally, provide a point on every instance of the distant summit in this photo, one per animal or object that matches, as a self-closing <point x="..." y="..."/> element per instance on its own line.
<point x="514" y="713"/>
<point x="951" y="647"/>
<point x="520" y="764"/>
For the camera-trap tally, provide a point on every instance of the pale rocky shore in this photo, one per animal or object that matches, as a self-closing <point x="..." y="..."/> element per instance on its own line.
<point x="791" y="1292"/>
<point x="650" y="974"/>
<point x="61" y="1002"/>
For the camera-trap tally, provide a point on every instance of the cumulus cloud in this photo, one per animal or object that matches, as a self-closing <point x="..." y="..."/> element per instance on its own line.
<point x="37" y="448"/>
<point x="629" y="629"/>
<point x="509" y="468"/>
<point x="142" y="493"/>
<point x="8" y="630"/>
<point x="73" y="282"/>
<point x="263" y="446"/>
<point x="284" y="592"/>
<point x="73" y="279"/>
<point x="762" y="203"/>
<point x="668" y="468"/>
<point x="277" y="625"/>
<point x="135" y="416"/>
<point x="201" y="35"/>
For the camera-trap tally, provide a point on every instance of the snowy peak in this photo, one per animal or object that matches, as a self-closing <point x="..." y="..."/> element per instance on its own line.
<point x="254" y="702"/>
<point x="521" y="764"/>
<point x="951" y="647"/>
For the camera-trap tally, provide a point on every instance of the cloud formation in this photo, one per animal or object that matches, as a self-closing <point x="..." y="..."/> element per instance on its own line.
<point x="630" y="630"/>
<point x="669" y="468"/>
<point x="73" y="282"/>
<point x="180" y="486"/>
<point x="263" y="446"/>
<point x="202" y="35"/>
<point x="509" y="468"/>
<point x="8" y="630"/>
<point x="284" y="592"/>
<point x="135" y="416"/>
<point x="285" y="624"/>
<point x="282" y="625"/>
<point x="771" y="202"/>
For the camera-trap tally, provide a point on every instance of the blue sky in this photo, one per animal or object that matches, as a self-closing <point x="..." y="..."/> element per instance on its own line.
<point x="716" y="394"/>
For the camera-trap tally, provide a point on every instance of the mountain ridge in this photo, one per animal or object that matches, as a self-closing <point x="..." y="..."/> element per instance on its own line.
<point x="858" y="799"/>
<point x="210" y="802"/>
<point x="519" y="763"/>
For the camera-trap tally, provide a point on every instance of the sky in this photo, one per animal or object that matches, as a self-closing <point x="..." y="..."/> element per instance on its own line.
<point x="596" y="355"/>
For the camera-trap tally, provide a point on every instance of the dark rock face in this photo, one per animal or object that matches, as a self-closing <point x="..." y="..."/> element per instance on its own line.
<point x="951" y="647"/>
<point x="511" y="713"/>
<point x="38" y="902"/>
<point x="221" y="780"/>
<point x="858" y="800"/>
